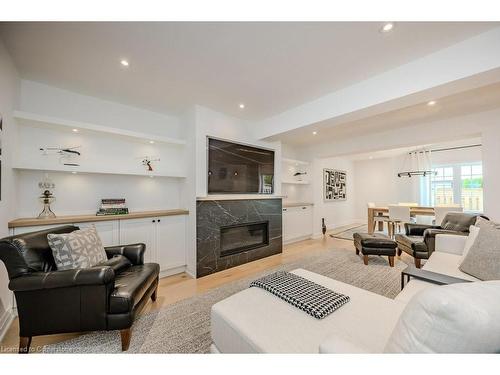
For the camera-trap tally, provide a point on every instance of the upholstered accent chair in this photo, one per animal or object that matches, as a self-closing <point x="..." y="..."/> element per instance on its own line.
<point x="107" y="296"/>
<point x="419" y="239"/>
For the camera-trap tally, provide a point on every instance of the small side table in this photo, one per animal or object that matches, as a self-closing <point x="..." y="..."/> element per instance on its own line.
<point x="431" y="277"/>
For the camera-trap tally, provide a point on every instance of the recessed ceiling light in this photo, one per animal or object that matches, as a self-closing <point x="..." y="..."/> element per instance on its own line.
<point x="315" y="132"/>
<point x="242" y="106"/>
<point x="431" y="103"/>
<point x="370" y="157"/>
<point x="75" y="130"/>
<point x="387" y="27"/>
<point x="151" y="142"/>
<point x="124" y="62"/>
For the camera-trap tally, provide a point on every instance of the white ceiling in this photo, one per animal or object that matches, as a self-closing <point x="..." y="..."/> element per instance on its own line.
<point x="270" y="67"/>
<point x="472" y="101"/>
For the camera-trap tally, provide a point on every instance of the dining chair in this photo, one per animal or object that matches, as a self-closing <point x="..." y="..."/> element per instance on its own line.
<point x="378" y="219"/>
<point x="441" y="211"/>
<point x="398" y="215"/>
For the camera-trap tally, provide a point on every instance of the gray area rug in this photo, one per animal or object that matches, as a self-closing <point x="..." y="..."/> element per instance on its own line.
<point x="184" y="327"/>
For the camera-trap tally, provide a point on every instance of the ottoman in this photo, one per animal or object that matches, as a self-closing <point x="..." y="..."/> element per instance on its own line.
<point x="375" y="244"/>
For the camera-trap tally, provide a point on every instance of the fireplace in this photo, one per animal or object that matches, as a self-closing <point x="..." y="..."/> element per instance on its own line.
<point x="230" y="232"/>
<point x="238" y="238"/>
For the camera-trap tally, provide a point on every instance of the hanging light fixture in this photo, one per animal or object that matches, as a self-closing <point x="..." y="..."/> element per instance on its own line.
<point x="417" y="163"/>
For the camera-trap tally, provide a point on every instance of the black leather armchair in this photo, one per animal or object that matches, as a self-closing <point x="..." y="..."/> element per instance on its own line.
<point x="105" y="297"/>
<point x="419" y="240"/>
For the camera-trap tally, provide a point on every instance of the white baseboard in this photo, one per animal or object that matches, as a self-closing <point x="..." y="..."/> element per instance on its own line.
<point x="5" y="322"/>
<point x="172" y="271"/>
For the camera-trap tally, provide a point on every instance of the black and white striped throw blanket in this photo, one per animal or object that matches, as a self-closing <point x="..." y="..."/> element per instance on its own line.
<point x="314" y="299"/>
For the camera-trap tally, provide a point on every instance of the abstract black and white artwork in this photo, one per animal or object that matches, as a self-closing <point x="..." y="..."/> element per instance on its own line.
<point x="334" y="183"/>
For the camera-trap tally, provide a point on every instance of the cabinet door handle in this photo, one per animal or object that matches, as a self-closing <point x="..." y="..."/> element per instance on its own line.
<point x="154" y="221"/>
<point x="159" y="220"/>
<point x="284" y="209"/>
<point x="304" y="208"/>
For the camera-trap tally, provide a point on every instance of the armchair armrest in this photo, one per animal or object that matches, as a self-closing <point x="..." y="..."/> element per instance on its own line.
<point x="133" y="252"/>
<point x="63" y="279"/>
<point x="418" y="229"/>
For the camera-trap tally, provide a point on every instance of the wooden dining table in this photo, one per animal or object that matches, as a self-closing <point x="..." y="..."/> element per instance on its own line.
<point x="383" y="211"/>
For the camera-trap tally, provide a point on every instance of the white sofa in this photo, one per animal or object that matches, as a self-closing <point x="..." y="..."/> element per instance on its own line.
<point x="254" y="321"/>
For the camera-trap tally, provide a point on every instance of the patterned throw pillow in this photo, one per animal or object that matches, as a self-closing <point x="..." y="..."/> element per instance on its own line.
<point x="483" y="259"/>
<point x="79" y="249"/>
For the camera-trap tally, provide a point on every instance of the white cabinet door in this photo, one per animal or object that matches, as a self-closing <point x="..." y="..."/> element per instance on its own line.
<point x="109" y="231"/>
<point x="305" y="218"/>
<point x="297" y="222"/>
<point x="171" y="241"/>
<point x="287" y="223"/>
<point x="140" y="231"/>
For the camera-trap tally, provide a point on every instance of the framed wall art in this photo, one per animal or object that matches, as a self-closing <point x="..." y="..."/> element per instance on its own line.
<point x="334" y="185"/>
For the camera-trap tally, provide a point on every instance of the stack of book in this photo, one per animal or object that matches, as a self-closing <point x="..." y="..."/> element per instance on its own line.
<point x="112" y="207"/>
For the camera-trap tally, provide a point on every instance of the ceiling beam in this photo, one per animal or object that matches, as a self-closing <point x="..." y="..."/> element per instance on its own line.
<point x="460" y="67"/>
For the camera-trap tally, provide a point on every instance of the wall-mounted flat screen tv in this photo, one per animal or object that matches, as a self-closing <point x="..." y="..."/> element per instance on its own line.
<point x="235" y="168"/>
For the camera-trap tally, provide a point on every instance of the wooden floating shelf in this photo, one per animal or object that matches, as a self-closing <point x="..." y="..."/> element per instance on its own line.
<point x="36" y="119"/>
<point x="293" y="161"/>
<point x="67" y="169"/>
<point x="72" y="219"/>
<point x="296" y="182"/>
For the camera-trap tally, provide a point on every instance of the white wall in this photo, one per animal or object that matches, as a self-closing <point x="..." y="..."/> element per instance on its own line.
<point x="376" y="181"/>
<point x="55" y="102"/>
<point x="9" y="93"/>
<point x="335" y="213"/>
<point x="81" y="193"/>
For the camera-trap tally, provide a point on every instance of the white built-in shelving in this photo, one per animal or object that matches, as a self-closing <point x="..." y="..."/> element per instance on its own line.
<point x="295" y="162"/>
<point x="295" y="182"/>
<point x="63" y="168"/>
<point x="105" y="150"/>
<point x="33" y="119"/>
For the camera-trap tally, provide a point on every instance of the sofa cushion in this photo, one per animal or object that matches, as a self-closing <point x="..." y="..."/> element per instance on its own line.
<point x="457" y="318"/>
<point x="483" y="259"/>
<point x="79" y="249"/>
<point x="130" y="286"/>
<point x="439" y="262"/>
<point x="255" y="321"/>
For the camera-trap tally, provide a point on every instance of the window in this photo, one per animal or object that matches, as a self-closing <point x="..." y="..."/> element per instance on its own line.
<point x="455" y="184"/>
<point x="442" y="186"/>
<point x="472" y="187"/>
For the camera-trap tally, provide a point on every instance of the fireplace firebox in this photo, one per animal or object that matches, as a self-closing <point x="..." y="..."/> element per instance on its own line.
<point x="238" y="238"/>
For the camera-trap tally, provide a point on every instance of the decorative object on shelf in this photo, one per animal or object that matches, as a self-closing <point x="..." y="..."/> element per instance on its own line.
<point x="46" y="185"/>
<point x="334" y="185"/>
<point x="147" y="160"/>
<point x="417" y="163"/>
<point x="68" y="155"/>
<point x="112" y="206"/>
<point x="298" y="175"/>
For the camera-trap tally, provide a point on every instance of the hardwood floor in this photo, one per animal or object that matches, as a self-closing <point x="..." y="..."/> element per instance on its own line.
<point x="175" y="288"/>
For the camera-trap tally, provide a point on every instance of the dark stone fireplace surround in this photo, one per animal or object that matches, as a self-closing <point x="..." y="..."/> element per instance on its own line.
<point x="212" y="215"/>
